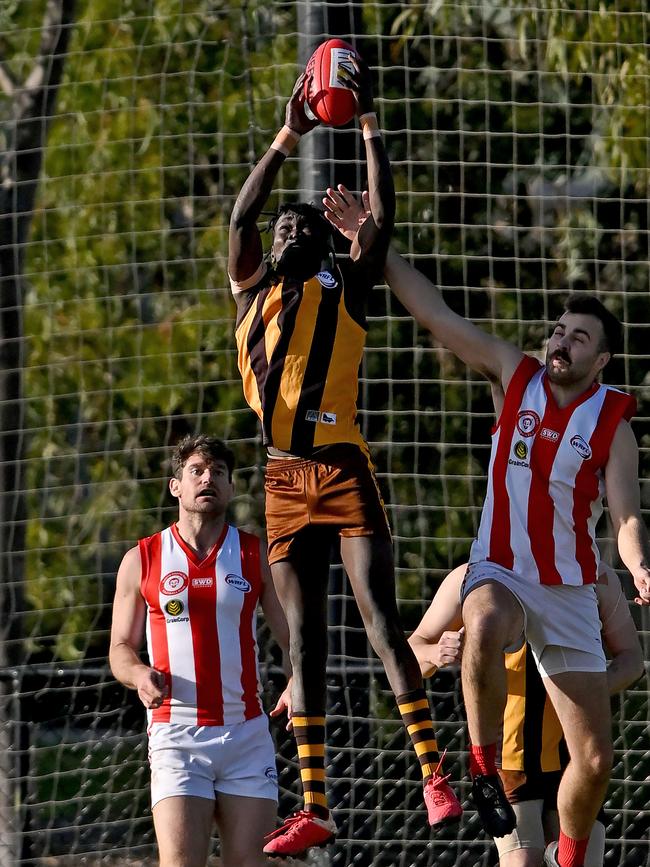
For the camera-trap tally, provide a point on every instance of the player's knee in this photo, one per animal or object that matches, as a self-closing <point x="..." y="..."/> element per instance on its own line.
<point x="596" y="761"/>
<point x="484" y="628"/>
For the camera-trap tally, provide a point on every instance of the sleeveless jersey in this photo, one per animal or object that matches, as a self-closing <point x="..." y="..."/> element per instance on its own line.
<point x="300" y="345"/>
<point x="546" y="479"/>
<point x="201" y="626"/>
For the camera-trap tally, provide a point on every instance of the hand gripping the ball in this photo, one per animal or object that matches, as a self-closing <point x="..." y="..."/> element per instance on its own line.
<point x="360" y="83"/>
<point x="295" y="117"/>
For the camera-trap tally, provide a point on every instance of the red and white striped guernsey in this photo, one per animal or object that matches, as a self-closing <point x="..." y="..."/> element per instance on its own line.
<point x="546" y="479"/>
<point x="201" y="626"/>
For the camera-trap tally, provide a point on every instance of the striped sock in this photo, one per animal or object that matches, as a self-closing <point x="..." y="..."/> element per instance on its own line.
<point x="309" y="731"/>
<point x="570" y="852"/>
<point x="415" y="711"/>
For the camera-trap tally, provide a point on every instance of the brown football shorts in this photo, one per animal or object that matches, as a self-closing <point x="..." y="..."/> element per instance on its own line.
<point x="339" y="491"/>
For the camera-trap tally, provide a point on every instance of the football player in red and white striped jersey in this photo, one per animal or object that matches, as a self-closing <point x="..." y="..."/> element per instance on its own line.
<point x="562" y="442"/>
<point x="193" y="589"/>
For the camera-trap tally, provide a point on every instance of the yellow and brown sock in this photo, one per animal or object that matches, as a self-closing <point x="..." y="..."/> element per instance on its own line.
<point x="309" y="731"/>
<point x="415" y="711"/>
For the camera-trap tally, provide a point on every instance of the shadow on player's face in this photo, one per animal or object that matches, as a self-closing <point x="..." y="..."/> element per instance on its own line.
<point x="299" y="246"/>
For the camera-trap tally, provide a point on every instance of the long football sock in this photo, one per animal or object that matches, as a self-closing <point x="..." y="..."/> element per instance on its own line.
<point x="570" y="852"/>
<point x="482" y="759"/>
<point x="309" y="731"/>
<point x="415" y="711"/>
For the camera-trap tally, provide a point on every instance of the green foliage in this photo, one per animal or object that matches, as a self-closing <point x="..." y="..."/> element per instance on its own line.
<point x="128" y="319"/>
<point x="523" y="173"/>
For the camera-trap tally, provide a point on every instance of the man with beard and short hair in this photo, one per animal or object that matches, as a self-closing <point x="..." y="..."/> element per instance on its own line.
<point x="300" y="332"/>
<point x="562" y="442"/>
<point x="193" y="589"/>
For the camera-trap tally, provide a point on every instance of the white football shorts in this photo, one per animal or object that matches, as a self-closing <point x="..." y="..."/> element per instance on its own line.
<point x="561" y="622"/>
<point x="202" y="761"/>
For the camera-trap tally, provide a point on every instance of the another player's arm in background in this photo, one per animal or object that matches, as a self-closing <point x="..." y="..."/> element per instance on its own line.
<point x="127" y="631"/>
<point x="623" y="499"/>
<point x="277" y="622"/>
<point x="619" y="632"/>
<point x="492" y="357"/>
<point x="438" y="639"/>
<point x="244" y="241"/>
<point x="373" y="237"/>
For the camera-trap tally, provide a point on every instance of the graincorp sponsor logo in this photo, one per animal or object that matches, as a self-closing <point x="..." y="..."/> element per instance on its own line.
<point x="173" y="583"/>
<point x="174" y="607"/>
<point x="521" y="450"/>
<point x="238" y="582"/>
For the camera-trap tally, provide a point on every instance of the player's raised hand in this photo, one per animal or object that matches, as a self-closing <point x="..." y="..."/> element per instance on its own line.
<point x="295" y="116"/>
<point x="359" y="80"/>
<point x="343" y="211"/>
<point x="284" y="704"/>
<point x="152" y="687"/>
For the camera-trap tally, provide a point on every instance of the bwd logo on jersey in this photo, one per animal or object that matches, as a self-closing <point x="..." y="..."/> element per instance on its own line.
<point x="326" y="280"/>
<point x="581" y="446"/>
<point x="528" y="422"/>
<point x="551" y="435"/>
<point x="173" y="583"/>
<point x="203" y="582"/>
<point x="237" y="582"/>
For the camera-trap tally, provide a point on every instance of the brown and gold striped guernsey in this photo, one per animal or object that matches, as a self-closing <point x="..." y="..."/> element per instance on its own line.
<point x="532" y="735"/>
<point x="300" y="345"/>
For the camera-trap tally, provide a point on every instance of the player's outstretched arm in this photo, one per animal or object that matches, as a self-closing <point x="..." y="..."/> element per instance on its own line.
<point x="623" y="499"/>
<point x="244" y="241"/>
<point x="438" y="639"/>
<point x="127" y="632"/>
<point x="492" y="357"/>
<point x="375" y="233"/>
<point x="619" y="632"/>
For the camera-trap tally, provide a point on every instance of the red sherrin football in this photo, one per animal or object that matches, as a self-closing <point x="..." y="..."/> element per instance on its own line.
<point x="329" y="99"/>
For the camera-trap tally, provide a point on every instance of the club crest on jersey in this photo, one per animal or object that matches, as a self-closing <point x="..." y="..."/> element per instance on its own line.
<point x="238" y="582"/>
<point x="326" y="280"/>
<point x="174" y="607"/>
<point x="528" y="422"/>
<point x="581" y="446"/>
<point x="173" y="583"/>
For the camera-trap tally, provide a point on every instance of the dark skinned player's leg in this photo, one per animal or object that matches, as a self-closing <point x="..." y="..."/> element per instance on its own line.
<point x="368" y="561"/>
<point x="301" y="584"/>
